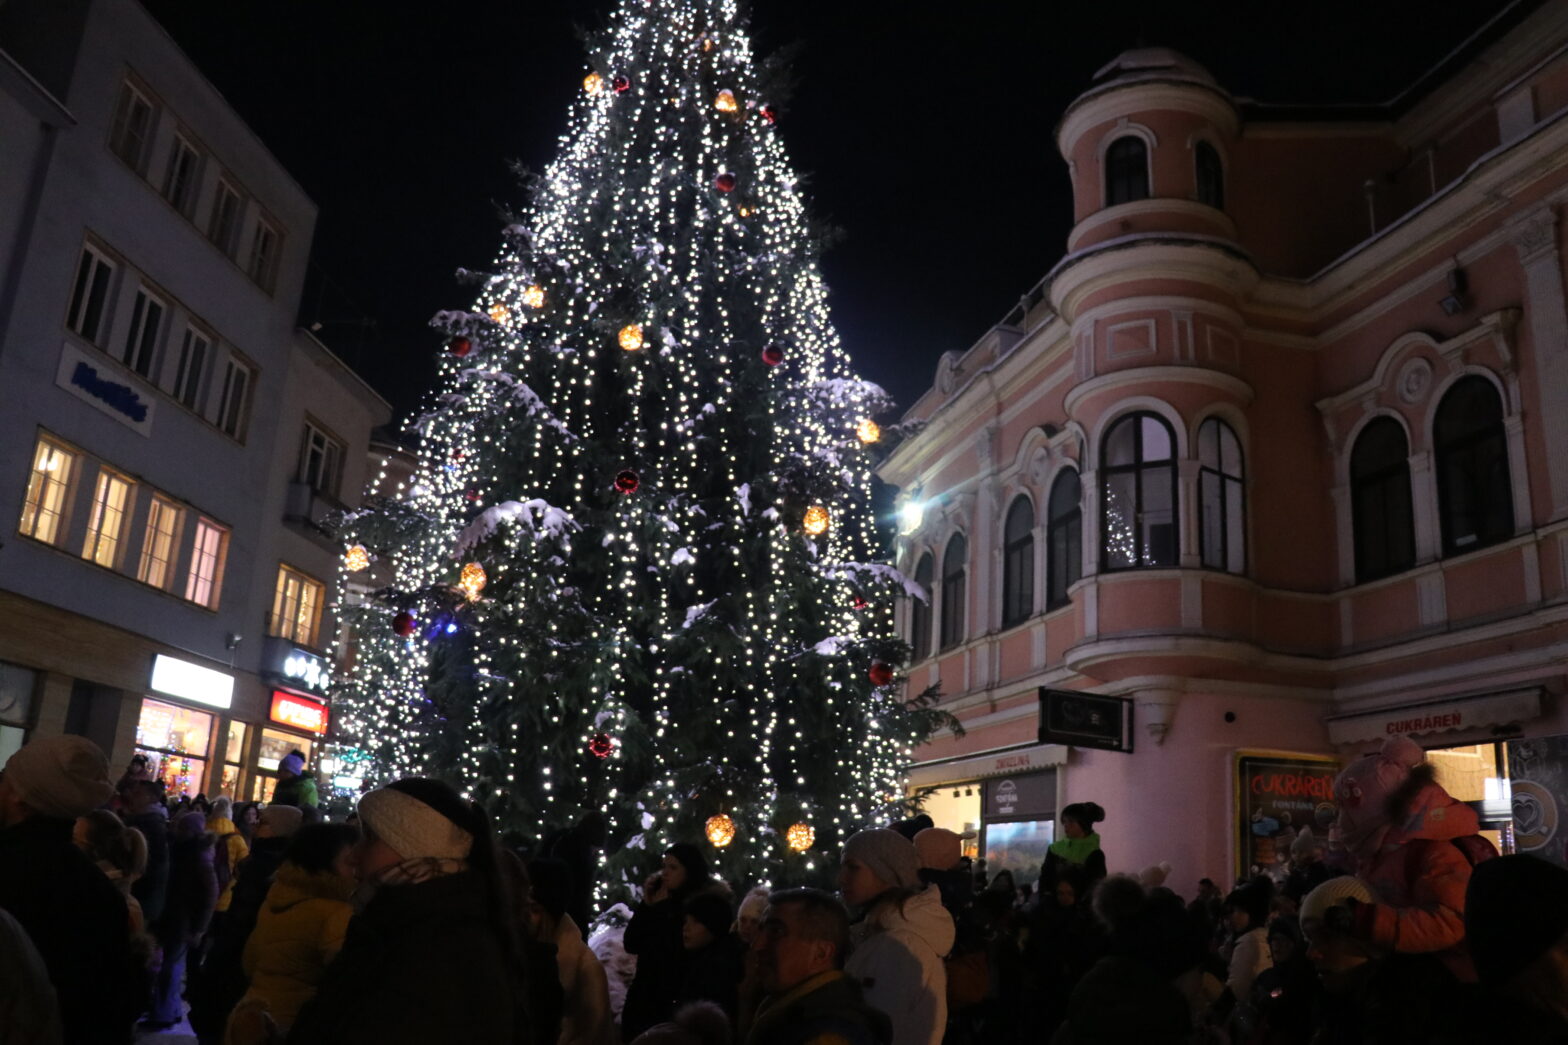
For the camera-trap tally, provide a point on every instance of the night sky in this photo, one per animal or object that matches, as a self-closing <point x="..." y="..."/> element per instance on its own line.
<point x="924" y="130"/>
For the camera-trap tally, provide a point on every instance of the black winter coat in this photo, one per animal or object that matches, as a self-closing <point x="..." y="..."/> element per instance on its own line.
<point x="79" y="923"/>
<point x="193" y="890"/>
<point x="219" y="984"/>
<point x="152" y="887"/>
<point x="713" y="973"/>
<point x="421" y="964"/>
<point x="654" y="936"/>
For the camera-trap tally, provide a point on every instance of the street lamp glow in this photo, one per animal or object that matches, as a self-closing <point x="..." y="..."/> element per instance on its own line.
<point x="912" y="515"/>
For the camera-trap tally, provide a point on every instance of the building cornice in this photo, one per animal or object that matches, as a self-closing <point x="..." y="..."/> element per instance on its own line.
<point x="1161" y="375"/>
<point x="1160" y="205"/>
<point x="1209" y="260"/>
<point x="1112" y="101"/>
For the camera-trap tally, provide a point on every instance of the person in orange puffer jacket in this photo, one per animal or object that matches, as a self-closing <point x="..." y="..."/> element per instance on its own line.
<point x="1415" y="845"/>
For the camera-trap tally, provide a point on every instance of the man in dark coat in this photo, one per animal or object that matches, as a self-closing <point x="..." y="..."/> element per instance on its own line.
<point x="800" y="956"/>
<point x="221" y="982"/>
<point x="75" y="917"/>
<point x="143" y="803"/>
<point x="193" y="892"/>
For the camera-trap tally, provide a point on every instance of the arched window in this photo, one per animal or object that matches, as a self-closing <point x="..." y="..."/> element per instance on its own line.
<point x="1138" y="494"/>
<point x="1380" y="501"/>
<point x="1018" y="563"/>
<point x="1211" y="175"/>
<point x="1222" y="501"/>
<point x="1474" y="493"/>
<point x="1126" y="171"/>
<point x="920" y="611"/>
<point x="1063" y="538"/>
<point x="953" y="590"/>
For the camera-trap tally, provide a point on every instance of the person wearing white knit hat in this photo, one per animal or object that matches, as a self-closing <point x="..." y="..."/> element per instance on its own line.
<point x="433" y="955"/>
<point x="1327" y="914"/>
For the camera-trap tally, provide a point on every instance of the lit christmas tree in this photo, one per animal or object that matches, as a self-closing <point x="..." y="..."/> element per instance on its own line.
<point x="634" y="569"/>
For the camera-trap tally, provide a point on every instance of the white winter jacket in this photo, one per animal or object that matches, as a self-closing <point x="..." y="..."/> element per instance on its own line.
<point x="1249" y="958"/>
<point x="897" y="959"/>
<point x="587" y="1019"/>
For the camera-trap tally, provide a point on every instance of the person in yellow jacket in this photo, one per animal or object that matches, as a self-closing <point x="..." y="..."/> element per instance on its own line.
<point x="227" y="854"/>
<point x="298" y="932"/>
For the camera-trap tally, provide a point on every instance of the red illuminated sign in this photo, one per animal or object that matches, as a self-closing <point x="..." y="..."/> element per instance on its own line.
<point x="289" y="710"/>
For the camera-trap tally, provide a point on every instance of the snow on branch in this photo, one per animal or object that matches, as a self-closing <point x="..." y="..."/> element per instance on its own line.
<point x="521" y="393"/>
<point x="536" y="515"/>
<point x="875" y="573"/>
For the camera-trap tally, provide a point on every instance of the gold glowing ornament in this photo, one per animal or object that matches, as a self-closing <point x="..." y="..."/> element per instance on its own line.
<point x="815" y="522"/>
<point x="631" y="337"/>
<point x="472" y="580"/>
<point x="725" y="102"/>
<point x="721" y="830"/>
<point x="800" y="836"/>
<point x="533" y="297"/>
<point x="869" y="431"/>
<point x="593" y="83"/>
<point x="356" y="558"/>
<point x="499" y="313"/>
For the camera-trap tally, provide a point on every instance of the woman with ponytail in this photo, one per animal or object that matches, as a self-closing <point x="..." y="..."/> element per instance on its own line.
<point x="432" y="954"/>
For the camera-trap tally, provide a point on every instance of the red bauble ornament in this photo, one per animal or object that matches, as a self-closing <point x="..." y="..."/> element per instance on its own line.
<point x="404" y="624"/>
<point x="621" y="84"/>
<point x="768" y="113"/>
<point x="859" y="603"/>
<point x="472" y="493"/>
<point x="725" y="182"/>
<point x="600" y="745"/>
<point x="460" y="346"/>
<point x="627" y="481"/>
<point x="880" y="673"/>
<point x="773" y="355"/>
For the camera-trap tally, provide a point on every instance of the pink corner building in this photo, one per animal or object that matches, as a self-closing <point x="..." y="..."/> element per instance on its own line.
<point x="1273" y="462"/>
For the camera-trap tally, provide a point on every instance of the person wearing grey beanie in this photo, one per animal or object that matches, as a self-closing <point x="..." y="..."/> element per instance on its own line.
<point x="70" y="910"/>
<point x="902" y="937"/>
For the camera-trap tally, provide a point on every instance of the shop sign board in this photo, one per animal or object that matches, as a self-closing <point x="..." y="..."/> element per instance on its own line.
<point x="1031" y="796"/>
<point x="1538" y="772"/>
<point x="1278" y="794"/>
<point x="187" y="681"/>
<point x="295" y="667"/>
<point x="299" y="713"/>
<point x="1085" y="720"/>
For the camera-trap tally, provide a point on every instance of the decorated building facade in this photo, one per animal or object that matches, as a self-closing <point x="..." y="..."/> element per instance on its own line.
<point x="1272" y="463"/>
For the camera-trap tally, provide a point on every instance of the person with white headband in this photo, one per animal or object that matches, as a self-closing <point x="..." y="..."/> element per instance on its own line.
<point x="432" y="955"/>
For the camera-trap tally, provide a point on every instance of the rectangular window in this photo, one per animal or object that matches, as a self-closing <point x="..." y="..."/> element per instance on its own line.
<point x="234" y="406"/>
<point x="165" y="520"/>
<point x="90" y="296"/>
<point x="141" y="341"/>
<point x="179" y="182"/>
<point x="194" y="350"/>
<point x="106" y="524"/>
<point x="296" y="607"/>
<point x="207" y="556"/>
<point x="225" y="217"/>
<point x="263" y="253"/>
<point x="132" y="127"/>
<point x="48" y="492"/>
<point x="320" y="460"/>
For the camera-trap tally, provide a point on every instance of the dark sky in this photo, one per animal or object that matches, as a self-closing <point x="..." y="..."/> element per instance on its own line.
<point x="924" y="129"/>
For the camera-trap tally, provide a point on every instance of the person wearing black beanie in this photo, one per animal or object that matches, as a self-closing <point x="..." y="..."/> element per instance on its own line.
<point x="712" y="960"/>
<point x="1516" y="924"/>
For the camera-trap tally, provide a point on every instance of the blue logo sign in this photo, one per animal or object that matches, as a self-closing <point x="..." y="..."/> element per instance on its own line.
<point x="121" y="397"/>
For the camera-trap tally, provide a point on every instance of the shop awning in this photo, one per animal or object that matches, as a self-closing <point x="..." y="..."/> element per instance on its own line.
<point x="992" y="763"/>
<point x="1442" y="716"/>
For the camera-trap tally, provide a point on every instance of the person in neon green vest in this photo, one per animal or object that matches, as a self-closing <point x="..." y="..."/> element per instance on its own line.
<point x="1080" y="845"/>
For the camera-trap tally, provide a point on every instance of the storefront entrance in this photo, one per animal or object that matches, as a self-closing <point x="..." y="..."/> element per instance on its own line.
<point x="176" y="740"/>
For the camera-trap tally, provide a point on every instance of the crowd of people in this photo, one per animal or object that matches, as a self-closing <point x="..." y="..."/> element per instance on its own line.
<point x="120" y="909"/>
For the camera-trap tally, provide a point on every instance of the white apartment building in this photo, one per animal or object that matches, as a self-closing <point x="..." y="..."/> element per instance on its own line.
<point x="169" y="437"/>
